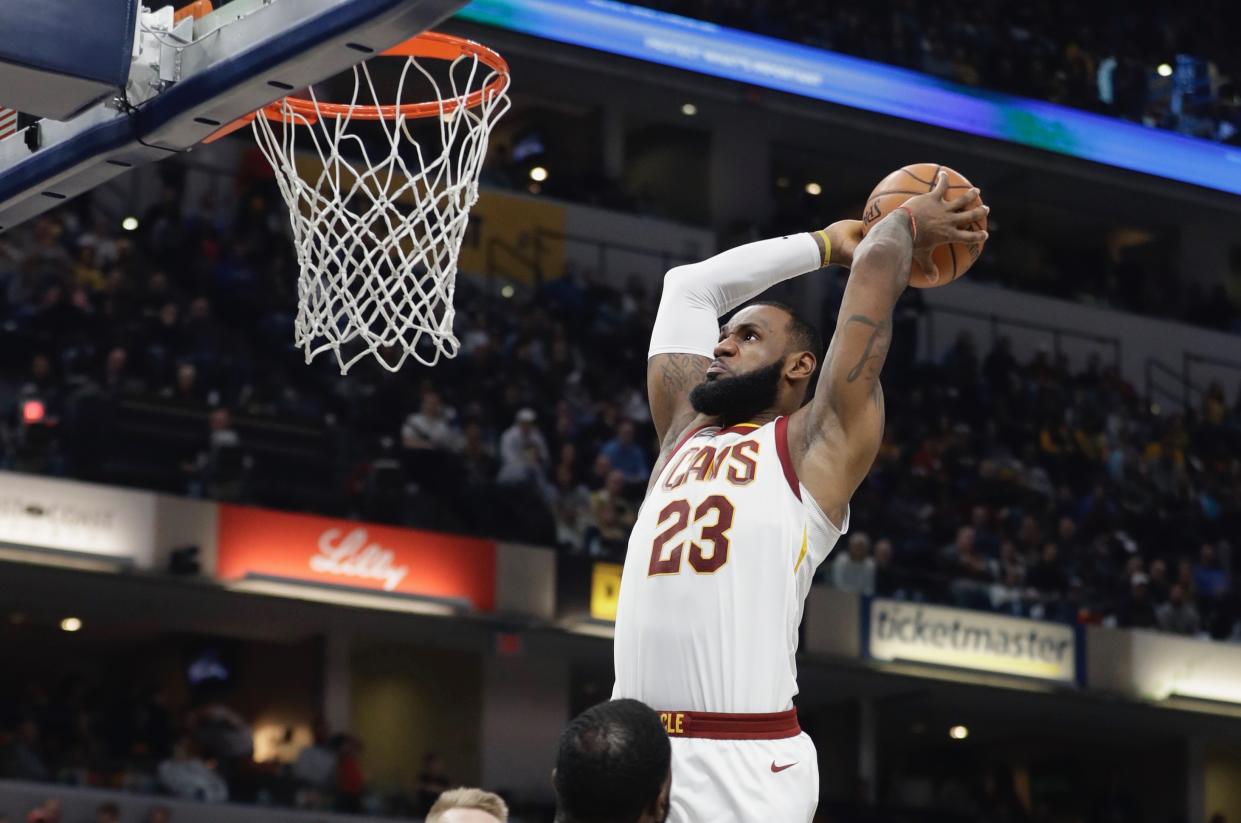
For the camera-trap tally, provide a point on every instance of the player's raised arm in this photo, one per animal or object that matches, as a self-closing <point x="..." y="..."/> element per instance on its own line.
<point x="834" y="440"/>
<point x="687" y="327"/>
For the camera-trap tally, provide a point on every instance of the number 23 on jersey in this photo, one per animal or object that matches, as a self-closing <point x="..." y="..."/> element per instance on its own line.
<point x="708" y="550"/>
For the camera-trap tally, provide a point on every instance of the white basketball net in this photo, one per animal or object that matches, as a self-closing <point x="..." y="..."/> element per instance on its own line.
<point x="378" y="221"/>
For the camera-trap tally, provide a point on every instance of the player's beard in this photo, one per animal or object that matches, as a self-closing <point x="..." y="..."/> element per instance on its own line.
<point x="739" y="398"/>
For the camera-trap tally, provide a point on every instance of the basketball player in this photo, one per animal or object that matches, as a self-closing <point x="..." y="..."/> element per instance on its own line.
<point x="468" y="806"/>
<point x="613" y="766"/>
<point x="749" y="494"/>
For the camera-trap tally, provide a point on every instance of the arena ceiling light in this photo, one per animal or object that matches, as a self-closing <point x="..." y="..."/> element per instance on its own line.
<point x="959" y="732"/>
<point x="689" y="109"/>
<point x="813" y="189"/>
<point x="1164" y="70"/>
<point x="538" y="174"/>
<point x="70" y="624"/>
<point x="130" y="223"/>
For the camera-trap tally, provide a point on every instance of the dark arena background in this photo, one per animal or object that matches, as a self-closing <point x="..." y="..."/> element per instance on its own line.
<point x="237" y="586"/>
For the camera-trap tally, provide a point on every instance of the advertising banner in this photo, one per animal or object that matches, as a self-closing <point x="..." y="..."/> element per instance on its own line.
<point x="605" y="579"/>
<point x="83" y="518"/>
<point x="1149" y="665"/>
<point x="258" y="543"/>
<point x="966" y="639"/>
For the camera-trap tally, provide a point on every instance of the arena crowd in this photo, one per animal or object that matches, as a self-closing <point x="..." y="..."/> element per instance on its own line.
<point x="1025" y="487"/>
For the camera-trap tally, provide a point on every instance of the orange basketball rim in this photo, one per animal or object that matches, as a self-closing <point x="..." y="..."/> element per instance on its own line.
<point x="433" y="45"/>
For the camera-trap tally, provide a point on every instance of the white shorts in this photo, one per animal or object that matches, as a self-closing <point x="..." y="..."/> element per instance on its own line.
<point x="744" y="781"/>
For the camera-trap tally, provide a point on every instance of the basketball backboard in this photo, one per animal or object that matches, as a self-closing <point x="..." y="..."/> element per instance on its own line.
<point x="191" y="76"/>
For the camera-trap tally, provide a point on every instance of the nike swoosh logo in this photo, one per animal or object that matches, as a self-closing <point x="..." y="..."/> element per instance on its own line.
<point x="777" y="769"/>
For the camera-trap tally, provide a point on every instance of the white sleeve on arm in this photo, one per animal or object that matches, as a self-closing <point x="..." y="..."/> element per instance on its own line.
<point x="696" y="295"/>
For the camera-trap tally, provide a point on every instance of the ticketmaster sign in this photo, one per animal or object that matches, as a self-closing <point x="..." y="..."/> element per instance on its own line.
<point x="972" y="640"/>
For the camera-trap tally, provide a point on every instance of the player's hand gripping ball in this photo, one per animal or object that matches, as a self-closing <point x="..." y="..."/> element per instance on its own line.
<point x="952" y="248"/>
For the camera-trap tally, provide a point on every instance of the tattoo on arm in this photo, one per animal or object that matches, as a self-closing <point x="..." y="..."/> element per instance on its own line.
<point x="670" y="378"/>
<point x="679" y="373"/>
<point x="870" y="361"/>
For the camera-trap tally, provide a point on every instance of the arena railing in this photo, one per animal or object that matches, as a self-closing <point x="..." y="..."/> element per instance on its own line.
<point x="1191" y="359"/>
<point x="998" y="323"/>
<point x="1179" y="393"/>
<point x="1187" y="390"/>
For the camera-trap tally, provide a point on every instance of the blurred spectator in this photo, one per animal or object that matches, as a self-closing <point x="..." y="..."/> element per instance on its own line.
<point x="431" y="427"/>
<point x="117" y="379"/>
<point x="1009" y="594"/>
<point x="189" y="777"/>
<point x="165" y="340"/>
<point x="315" y="766"/>
<point x="968" y="569"/>
<point x="571" y="507"/>
<point x="108" y="813"/>
<point x="523" y="452"/>
<point x="1177" y="615"/>
<point x="854" y="569"/>
<point x="985" y="538"/>
<point x="627" y="456"/>
<point x="222" y="737"/>
<point x="1008" y="563"/>
<point x="40" y="381"/>
<point x="889" y="580"/>
<point x="961" y="547"/>
<point x="599" y="472"/>
<point x="468" y="806"/>
<point x="612" y="515"/>
<point x="159" y="814"/>
<point x="1048" y="575"/>
<point x="383" y="485"/>
<point x="1210" y="580"/>
<point x="1137" y="612"/>
<point x="1160" y="590"/>
<point x="185" y="389"/>
<point x="219" y="470"/>
<point x="477" y="456"/>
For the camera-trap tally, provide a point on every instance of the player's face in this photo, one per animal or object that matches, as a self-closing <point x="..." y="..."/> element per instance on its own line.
<point x="754" y="338"/>
<point x="744" y="377"/>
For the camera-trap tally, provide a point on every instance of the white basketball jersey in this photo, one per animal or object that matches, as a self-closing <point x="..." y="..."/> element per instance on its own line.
<point x="718" y="567"/>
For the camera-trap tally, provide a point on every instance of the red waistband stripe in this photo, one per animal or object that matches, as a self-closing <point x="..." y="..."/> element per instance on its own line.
<point x="723" y="726"/>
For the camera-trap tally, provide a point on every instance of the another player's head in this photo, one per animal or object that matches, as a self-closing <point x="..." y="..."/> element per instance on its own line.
<point x="468" y="806"/>
<point x="614" y="766"/>
<point x="765" y="359"/>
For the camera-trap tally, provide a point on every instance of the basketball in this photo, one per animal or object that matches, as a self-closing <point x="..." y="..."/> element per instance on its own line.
<point x="953" y="259"/>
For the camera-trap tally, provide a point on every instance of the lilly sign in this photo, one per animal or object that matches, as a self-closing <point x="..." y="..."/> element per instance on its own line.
<point x="325" y="551"/>
<point x="694" y="45"/>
